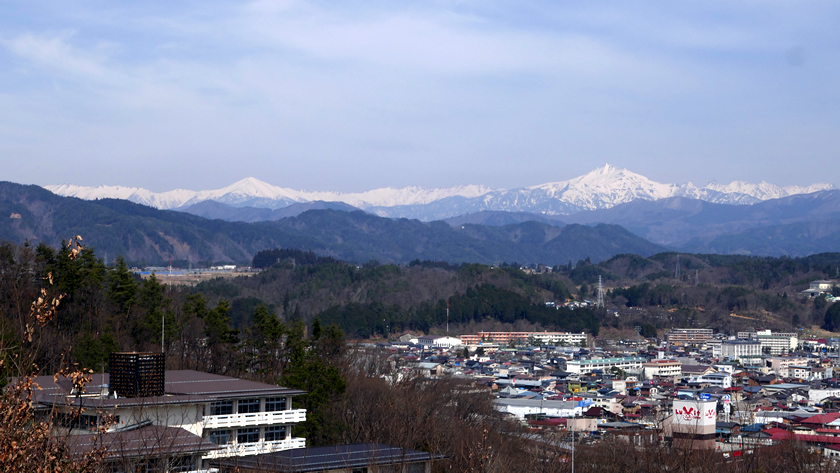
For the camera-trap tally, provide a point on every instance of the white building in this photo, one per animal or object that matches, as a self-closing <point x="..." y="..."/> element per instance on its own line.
<point x="435" y="341"/>
<point x="662" y="369"/>
<point x="632" y="364"/>
<point x="721" y="380"/>
<point x="746" y="351"/>
<point x="199" y="416"/>
<point x="819" y="287"/>
<point x="558" y="338"/>
<point x="521" y="407"/>
<point x="777" y="343"/>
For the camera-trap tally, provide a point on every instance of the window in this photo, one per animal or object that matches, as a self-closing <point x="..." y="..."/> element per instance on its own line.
<point x="219" y="437"/>
<point x="181" y="464"/>
<point x="247" y="406"/>
<point x="273" y="404"/>
<point x="150" y="465"/>
<point x="221" y="408"/>
<point x="249" y="435"/>
<point x="275" y="432"/>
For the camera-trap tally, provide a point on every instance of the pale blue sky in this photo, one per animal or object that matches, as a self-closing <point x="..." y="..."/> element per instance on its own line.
<point x="354" y="95"/>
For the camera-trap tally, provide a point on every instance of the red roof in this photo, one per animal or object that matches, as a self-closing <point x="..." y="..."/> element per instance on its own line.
<point x="822" y="419"/>
<point x="782" y="434"/>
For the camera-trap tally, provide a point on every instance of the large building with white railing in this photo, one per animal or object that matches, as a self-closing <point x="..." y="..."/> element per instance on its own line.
<point x="198" y="417"/>
<point x="631" y="364"/>
<point x="525" y="338"/>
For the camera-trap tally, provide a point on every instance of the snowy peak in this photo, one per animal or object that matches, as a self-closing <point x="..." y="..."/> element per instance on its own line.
<point x="603" y="187"/>
<point x="254" y="192"/>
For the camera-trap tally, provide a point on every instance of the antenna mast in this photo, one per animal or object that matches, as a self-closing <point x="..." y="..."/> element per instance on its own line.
<point x="677" y="272"/>
<point x="447" y="318"/>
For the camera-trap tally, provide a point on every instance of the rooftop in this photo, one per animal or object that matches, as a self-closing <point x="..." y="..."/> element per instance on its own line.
<point x="328" y="458"/>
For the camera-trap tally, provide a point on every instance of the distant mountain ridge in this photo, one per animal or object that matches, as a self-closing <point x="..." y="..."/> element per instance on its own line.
<point x="144" y="234"/>
<point x="602" y="188"/>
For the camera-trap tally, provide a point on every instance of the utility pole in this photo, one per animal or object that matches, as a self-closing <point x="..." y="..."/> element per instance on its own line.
<point x="573" y="442"/>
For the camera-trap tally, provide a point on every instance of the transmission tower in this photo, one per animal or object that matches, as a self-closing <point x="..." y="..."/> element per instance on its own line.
<point x="600" y="301"/>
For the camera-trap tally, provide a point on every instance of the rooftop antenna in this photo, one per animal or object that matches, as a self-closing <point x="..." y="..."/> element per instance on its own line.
<point x="600" y="301"/>
<point x="677" y="272"/>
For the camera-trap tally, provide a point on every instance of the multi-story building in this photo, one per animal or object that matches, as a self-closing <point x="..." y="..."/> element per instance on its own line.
<point x="188" y="416"/>
<point x="777" y="343"/>
<point x="523" y="338"/>
<point x="662" y="369"/>
<point x="631" y="364"/>
<point x="721" y="380"/>
<point x="744" y="351"/>
<point x="808" y="373"/>
<point x="558" y="338"/>
<point x="688" y="336"/>
<point x="780" y="365"/>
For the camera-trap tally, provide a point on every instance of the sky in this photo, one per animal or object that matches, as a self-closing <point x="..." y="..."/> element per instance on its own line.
<point x="354" y="95"/>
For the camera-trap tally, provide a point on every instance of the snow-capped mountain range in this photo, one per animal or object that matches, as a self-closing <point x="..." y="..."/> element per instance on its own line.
<point x="604" y="187"/>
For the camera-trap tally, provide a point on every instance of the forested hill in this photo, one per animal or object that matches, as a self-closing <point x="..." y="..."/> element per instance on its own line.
<point x="144" y="235"/>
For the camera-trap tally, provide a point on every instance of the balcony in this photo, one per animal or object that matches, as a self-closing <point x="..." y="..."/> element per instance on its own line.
<point x="255" y="448"/>
<point x="254" y="419"/>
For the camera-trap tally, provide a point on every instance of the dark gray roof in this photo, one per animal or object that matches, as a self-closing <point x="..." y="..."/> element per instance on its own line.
<point x="327" y="458"/>
<point x="149" y="441"/>
<point x="181" y="386"/>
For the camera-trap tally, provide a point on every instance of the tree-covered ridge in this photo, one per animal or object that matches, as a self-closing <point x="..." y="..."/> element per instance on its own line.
<point x="146" y="236"/>
<point x="268" y="258"/>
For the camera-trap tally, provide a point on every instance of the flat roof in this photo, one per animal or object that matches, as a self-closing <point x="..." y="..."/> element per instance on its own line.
<point x="181" y="386"/>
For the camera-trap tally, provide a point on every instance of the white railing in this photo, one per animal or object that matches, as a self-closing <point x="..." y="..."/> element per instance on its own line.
<point x="255" y="448"/>
<point x="256" y="418"/>
<point x="206" y="470"/>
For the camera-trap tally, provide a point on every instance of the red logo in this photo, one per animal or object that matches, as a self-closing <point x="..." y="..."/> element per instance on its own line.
<point x="688" y="413"/>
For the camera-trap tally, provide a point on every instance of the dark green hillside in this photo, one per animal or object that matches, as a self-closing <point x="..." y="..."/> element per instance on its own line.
<point x="144" y="235"/>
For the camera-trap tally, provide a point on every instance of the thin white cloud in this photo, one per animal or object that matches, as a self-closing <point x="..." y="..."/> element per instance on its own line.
<point x="486" y="92"/>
